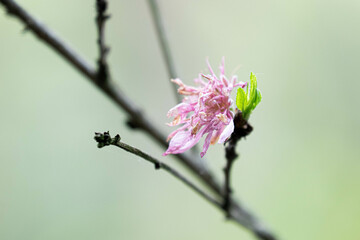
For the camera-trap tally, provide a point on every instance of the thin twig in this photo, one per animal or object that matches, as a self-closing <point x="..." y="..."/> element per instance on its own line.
<point x="165" y="49"/>
<point x="164" y="44"/>
<point x="104" y="139"/>
<point x="110" y="89"/>
<point x="228" y="190"/>
<point x="239" y="213"/>
<point x="101" y="7"/>
<point x="241" y="129"/>
<point x="50" y="38"/>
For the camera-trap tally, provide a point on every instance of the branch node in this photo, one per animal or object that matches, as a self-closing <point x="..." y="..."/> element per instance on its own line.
<point x="136" y="120"/>
<point x="101" y="6"/>
<point x="116" y="139"/>
<point x="102" y="71"/>
<point x="238" y="213"/>
<point x="106" y="50"/>
<point x="104" y="139"/>
<point x="157" y="166"/>
<point x="106" y="17"/>
<point x="133" y="124"/>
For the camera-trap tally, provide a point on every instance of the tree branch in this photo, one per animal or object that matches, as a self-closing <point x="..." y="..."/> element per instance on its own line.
<point x="164" y="44"/>
<point x="49" y="37"/>
<point x="238" y="212"/>
<point x="109" y="88"/>
<point x="165" y="49"/>
<point x="228" y="190"/>
<point x="102" y="71"/>
<point x="241" y="129"/>
<point x="104" y="139"/>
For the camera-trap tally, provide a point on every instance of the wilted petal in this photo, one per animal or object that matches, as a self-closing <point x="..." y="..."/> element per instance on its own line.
<point x="229" y="129"/>
<point x="182" y="128"/>
<point x="180" y="109"/>
<point x="206" y="144"/>
<point x="183" y="141"/>
<point x="210" y="68"/>
<point x="178" y="82"/>
<point x="222" y="66"/>
<point x="216" y="135"/>
<point x="204" y="109"/>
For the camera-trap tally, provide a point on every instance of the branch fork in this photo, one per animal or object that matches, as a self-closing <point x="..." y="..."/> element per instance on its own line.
<point x="100" y="77"/>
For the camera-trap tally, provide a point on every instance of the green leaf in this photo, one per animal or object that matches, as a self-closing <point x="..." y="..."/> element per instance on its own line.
<point x="253" y="86"/>
<point x="241" y="99"/>
<point x="247" y="102"/>
<point x="258" y="97"/>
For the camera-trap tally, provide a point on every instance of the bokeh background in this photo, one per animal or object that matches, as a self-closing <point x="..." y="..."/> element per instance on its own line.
<point x="299" y="170"/>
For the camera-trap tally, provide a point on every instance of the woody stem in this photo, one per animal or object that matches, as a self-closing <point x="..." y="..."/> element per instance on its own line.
<point x="241" y="129"/>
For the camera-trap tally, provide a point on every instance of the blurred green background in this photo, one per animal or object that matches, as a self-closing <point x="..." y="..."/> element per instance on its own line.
<point x="299" y="169"/>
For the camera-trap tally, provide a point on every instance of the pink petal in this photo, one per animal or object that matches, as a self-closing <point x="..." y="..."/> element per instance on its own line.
<point x="229" y="129"/>
<point x="180" y="109"/>
<point x="222" y="66"/>
<point x="206" y="144"/>
<point x="183" y="141"/>
<point x="210" y="69"/>
<point x="240" y="84"/>
<point x="204" y="110"/>
<point x="217" y="134"/>
<point x="178" y="82"/>
<point x="200" y="81"/>
<point x="182" y="128"/>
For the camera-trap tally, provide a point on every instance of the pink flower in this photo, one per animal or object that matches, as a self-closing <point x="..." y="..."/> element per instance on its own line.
<point x="204" y="110"/>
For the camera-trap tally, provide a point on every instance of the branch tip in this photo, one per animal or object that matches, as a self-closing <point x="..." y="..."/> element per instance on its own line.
<point x="104" y="139"/>
<point x="239" y="213"/>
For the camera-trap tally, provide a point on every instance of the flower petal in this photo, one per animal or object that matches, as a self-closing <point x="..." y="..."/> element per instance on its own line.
<point x="205" y="109"/>
<point x="206" y="144"/>
<point x="183" y="141"/>
<point x="182" y="128"/>
<point x="210" y="68"/>
<point x="229" y="129"/>
<point x="222" y="66"/>
<point x="180" y="109"/>
<point x="215" y="137"/>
